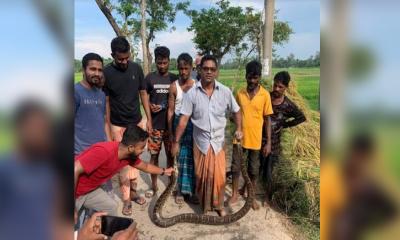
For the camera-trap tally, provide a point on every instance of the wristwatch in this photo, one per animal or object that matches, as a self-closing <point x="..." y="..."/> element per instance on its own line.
<point x="163" y="171"/>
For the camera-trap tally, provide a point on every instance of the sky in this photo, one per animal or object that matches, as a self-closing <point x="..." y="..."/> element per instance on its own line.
<point x="33" y="64"/>
<point x="93" y="33"/>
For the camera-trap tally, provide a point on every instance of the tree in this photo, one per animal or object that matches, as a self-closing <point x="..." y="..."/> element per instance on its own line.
<point x="281" y="35"/>
<point x="120" y="27"/>
<point x="106" y="8"/>
<point x="159" y="13"/>
<point x="218" y="30"/>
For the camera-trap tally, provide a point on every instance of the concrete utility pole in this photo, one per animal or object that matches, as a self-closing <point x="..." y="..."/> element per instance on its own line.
<point x="268" y="31"/>
<point x="143" y="32"/>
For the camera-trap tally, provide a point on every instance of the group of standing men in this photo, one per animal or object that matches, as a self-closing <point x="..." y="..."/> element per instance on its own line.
<point x="188" y="115"/>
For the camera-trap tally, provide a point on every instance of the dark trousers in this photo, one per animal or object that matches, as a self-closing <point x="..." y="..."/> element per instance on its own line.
<point x="266" y="168"/>
<point x="252" y="162"/>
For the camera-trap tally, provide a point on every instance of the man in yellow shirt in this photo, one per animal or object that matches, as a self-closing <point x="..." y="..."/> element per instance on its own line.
<point x="255" y="106"/>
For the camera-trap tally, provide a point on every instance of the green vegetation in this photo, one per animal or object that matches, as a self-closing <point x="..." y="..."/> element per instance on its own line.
<point x="306" y="79"/>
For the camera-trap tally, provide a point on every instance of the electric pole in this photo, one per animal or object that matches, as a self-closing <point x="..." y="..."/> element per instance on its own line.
<point x="268" y="31"/>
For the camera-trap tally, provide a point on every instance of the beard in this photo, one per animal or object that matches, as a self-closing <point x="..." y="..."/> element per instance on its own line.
<point x="275" y="94"/>
<point x="94" y="81"/>
<point x="121" y="67"/>
<point x="133" y="157"/>
<point x="252" y="86"/>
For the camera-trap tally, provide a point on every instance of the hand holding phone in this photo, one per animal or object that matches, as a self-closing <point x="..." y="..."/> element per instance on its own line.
<point x="112" y="224"/>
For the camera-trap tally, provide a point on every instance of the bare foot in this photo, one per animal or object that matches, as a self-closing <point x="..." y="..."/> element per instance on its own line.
<point x="266" y="203"/>
<point x="243" y="191"/>
<point x="233" y="199"/>
<point x="255" y="205"/>
<point x="221" y="212"/>
<point x="127" y="208"/>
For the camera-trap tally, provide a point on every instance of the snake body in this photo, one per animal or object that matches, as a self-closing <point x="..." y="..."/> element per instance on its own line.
<point x="158" y="219"/>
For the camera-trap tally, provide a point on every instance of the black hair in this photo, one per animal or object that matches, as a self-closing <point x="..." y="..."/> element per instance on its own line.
<point x="185" y="57"/>
<point x="134" y="134"/>
<point x="253" y="68"/>
<point x="89" y="57"/>
<point x="161" y="52"/>
<point x="120" y="44"/>
<point x="208" y="58"/>
<point x="283" y="77"/>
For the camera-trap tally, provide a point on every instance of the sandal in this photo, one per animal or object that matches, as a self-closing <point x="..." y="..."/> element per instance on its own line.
<point x="149" y="193"/>
<point x="139" y="200"/>
<point x="179" y="199"/>
<point x="127" y="209"/>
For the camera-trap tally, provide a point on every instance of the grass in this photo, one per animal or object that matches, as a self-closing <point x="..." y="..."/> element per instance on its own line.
<point x="6" y="136"/>
<point x="306" y="79"/>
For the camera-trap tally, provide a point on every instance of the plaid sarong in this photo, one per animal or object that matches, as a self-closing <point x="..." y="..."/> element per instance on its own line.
<point x="186" y="177"/>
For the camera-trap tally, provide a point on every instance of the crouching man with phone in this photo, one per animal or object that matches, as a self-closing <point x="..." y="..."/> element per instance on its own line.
<point x="94" y="228"/>
<point x="101" y="161"/>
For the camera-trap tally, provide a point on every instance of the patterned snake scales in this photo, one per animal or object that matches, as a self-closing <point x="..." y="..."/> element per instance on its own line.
<point x="164" y="222"/>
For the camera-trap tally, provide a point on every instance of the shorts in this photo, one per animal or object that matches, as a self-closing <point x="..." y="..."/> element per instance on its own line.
<point x="157" y="137"/>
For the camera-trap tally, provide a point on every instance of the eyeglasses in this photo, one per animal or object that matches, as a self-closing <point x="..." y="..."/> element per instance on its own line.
<point x="207" y="69"/>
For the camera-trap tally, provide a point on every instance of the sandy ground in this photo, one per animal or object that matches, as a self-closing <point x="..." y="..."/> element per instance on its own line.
<point x="265" y="223"/>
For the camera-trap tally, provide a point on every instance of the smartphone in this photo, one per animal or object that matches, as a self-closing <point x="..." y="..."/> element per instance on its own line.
<point x="112" y="224"/>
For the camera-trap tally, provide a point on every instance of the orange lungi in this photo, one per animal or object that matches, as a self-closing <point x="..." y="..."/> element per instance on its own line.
<point x="210" y="178"/>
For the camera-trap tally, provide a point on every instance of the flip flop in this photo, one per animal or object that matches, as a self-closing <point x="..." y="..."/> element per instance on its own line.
<point x="179" y="199"/>
<point x="139" y="200"/>
<point x="127" y="209"/>
<point x="149" y="193"/>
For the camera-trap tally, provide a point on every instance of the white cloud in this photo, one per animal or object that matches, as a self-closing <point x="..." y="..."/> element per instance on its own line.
<point x="178" y="41"/>
<point x="99" y="44"/>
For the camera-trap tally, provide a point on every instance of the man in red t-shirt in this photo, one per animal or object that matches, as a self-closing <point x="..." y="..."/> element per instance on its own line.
<point x="101" y="161"/>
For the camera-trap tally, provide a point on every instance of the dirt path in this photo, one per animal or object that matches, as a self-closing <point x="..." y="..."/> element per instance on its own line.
<point x="262" y="224"/>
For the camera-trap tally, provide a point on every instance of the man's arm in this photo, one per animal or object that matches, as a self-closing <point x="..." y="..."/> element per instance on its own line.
<point x="171" y="107"/>
<point x="296" y="116"/>
<point x="267" y="130"/>
<point x="238" y="122"/>
<point x="178" y="134"/>
<point x="107" y="122"/>
<point x="144" y="97"/>
<point x="78" y="170"/>
<point x="150" y="168"/>
<point x="181" y="127"/>
<point x="237" y="116"/>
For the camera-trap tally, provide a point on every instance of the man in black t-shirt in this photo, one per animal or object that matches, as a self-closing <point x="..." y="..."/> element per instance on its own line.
<point x="124" y="83"/>
<point x="157" y="86"/>
<point x="286" y="114"/>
